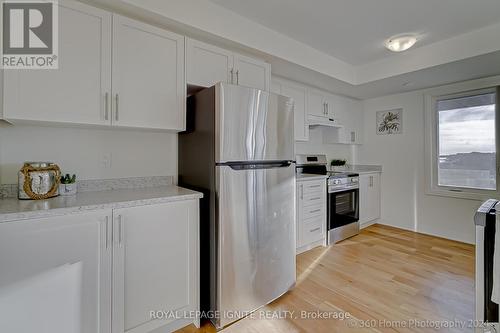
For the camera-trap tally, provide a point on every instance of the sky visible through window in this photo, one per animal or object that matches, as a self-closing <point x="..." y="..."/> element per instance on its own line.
<point x="467" y="130"/>
<point x="467" y="150"/>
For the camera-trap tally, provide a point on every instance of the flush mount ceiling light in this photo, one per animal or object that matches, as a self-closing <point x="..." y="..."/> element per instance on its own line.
<point x="400" y="43"/>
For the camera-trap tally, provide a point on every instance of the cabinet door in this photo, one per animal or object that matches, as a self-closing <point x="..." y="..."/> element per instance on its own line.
<point x="155" y="264"/>
<point x="207" y="64"/>
<point x="316" y="103"/>
<point x="252" y="73"/>
<point x="299" y="96"/>
<point x="352" y="119"/>
<point x="56" y="274"/>
<point x="149" y="88"/>
<point x="369" y="197"/>
<point x="76" y="92"/>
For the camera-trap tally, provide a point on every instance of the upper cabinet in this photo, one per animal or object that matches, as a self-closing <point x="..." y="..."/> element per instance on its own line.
<point x="208" y="64"/>
<point x="320" y="104"/>
<point x="299" y="95"/>
<point x="148" y="76"/>
<point x="135" y="79"/>
<point x="349" y="114"/>
<point x="76" y="92"/>
<point x="251" y="72"/>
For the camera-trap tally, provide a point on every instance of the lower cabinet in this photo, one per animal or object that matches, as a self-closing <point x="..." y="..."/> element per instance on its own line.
<point x="311" y="214"/>
<point x="102" y="271"/>
<point x="55" y="274"/>
<point x="369" y="197"/>
<point x="155" y="266"/>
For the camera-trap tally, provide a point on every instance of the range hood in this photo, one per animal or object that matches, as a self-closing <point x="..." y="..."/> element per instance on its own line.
<point x="314" y="121"/>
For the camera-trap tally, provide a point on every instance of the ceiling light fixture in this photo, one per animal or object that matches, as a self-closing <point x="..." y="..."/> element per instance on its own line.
<point x="400" y="43"/>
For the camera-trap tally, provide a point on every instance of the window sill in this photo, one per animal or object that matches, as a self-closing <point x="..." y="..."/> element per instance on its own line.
<point x="464" y="194"/>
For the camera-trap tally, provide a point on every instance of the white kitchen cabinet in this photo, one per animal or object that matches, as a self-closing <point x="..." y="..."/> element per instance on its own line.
<point x="56" y="274"/>
<point x="155" y="265"/>
<point x="77" y="92"/>
<point x="320" y="103"/>
<point x="250" y="72"/>
<point x="311" y="214"/>
<point x="208" y="64"/>
<point x="316" y="103"/>
<point x="148" y="76"/>
<point x="349" y="114"/>
<point x="299" y="95"/>
<point x="125" y="74"/>
<point x="369" y="197"/>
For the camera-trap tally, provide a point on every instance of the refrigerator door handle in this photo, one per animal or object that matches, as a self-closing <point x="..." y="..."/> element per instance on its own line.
<point x="256" y="165"/>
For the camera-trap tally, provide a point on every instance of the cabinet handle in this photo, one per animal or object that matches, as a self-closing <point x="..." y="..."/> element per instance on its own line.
<point x="315" y="229"/>
<point x="327" y="108"/>
<point x="117" y="116"/>
<point x="314" y="186"/>
<point x="371" y="181"/>
<point x="353" y="136"/>
<point x="238" y="77"/>
<point x="107" y="232"/>
<point x="106" y="106"/>
<point x="316" y="198"/>
<point x="315" y="211"/>
<point x="301" y="192"/>
<point x="232" y="75"/>
<point x="120" y="230"/>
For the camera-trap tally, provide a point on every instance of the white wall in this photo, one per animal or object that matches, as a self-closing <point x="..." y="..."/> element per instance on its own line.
<point x="404" y="202"/>
<point x="81" y="151"/>
<point x="315" y="145"/>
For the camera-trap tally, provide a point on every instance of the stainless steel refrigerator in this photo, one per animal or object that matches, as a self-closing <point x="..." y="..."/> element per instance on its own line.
<point x="238" y="149"/>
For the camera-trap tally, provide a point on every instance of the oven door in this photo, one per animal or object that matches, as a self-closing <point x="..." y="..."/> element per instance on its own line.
<point x="343" y="208"/>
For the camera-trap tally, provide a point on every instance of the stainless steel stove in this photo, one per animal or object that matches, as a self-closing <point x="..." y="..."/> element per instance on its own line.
<point x="342" y="198"/>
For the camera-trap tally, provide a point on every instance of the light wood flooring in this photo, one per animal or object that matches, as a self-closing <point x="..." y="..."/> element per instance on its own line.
<point x="387" y="276"/>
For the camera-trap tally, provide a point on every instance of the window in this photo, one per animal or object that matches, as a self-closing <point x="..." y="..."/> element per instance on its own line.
<point x="462" y="141"/>
<point x="466" y="141"/>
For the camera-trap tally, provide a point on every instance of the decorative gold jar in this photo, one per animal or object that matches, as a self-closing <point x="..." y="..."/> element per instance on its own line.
<point x="39" y="180"/>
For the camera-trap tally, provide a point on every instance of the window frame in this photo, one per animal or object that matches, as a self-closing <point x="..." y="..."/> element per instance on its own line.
<point x="432" y="143"/>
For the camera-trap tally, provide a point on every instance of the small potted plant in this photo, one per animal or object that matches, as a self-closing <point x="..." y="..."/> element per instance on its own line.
<point x="67" y="185"/>
<point x="338" y="165"/>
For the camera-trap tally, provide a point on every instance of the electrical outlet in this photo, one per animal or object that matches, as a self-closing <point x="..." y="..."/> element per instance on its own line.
<point x="106" y="160"/>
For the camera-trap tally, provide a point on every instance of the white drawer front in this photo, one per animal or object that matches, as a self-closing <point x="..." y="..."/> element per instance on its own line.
<point x="314" y="187"/>
<point x="313" y="211"/>
<point x="314" y="199"/>
<point x="312" y="230"/>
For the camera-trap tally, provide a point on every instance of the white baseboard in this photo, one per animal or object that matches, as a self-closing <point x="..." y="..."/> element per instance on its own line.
<point x="367" y="224"/>
<point x="321" y="242"/>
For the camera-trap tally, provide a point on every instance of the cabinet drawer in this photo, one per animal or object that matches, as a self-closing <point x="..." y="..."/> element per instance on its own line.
<point x="317" y="210"/>
<point x="314" y="199"/>
<point x="314" y="187"/>
<point x="312" y="230"/>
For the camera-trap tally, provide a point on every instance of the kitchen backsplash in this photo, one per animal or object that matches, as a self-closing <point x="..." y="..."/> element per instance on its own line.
<point x="10" y="190"/>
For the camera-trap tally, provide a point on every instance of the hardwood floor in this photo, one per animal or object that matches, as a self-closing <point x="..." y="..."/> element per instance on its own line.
<point x="392" y="279"/>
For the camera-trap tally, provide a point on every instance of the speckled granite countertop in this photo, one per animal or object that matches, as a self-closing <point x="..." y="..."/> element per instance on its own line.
<point x="364" y="168"/>
<point x="14" y="209"/>
<point x="307" y="176"/>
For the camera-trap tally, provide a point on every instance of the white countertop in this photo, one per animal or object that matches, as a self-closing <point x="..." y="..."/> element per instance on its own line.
<point x="364" y="169"/>
<point x="307" y="176"/>
<point x="14" y="209"/>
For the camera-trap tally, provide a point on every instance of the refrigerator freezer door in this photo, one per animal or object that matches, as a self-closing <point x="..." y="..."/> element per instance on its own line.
<point x="256" y="238"/>
<point x="252" y="125"/>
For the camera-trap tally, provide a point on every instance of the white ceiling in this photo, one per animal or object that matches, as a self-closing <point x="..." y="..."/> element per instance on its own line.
<point x="467" y="69"/>
<point x="354" y="30"/>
